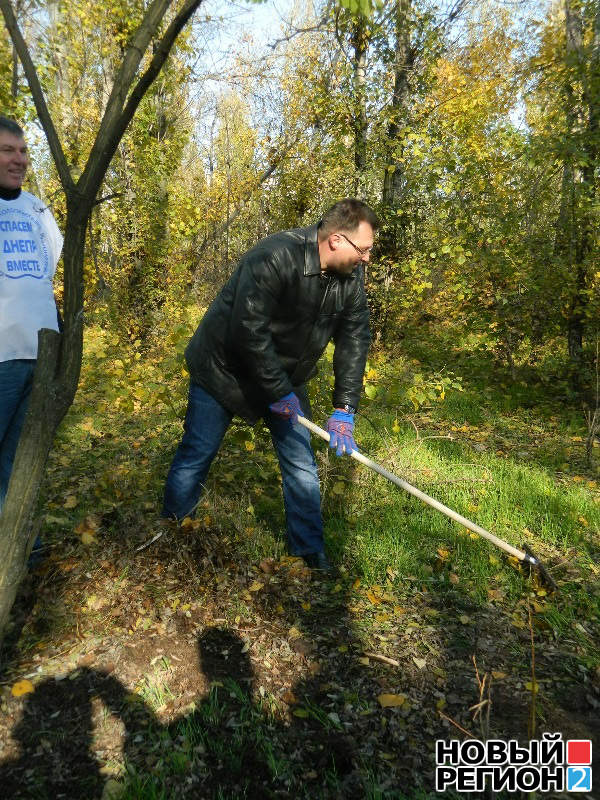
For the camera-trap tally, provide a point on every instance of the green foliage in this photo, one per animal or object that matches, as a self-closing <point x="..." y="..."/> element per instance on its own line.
<point x="405" y="386"/>
<point x="365" y="8"/>
<point x="431" y="389"/>
<point x="470" y="230"/>
<point x="16" y="106"/>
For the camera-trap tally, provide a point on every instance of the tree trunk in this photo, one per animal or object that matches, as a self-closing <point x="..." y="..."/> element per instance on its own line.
<point x="393" y="236"/>
<point x="573" y="239"/>
<point x="359" y="44"/>
<point x="393" y="181"/>
<point x="16" y="530"/>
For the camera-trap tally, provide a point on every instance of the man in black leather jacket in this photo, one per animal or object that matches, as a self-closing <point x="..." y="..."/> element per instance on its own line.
<point x="257" y="346"/>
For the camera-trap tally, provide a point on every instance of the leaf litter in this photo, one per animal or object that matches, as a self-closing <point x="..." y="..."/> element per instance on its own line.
<point x="323" y="667"/>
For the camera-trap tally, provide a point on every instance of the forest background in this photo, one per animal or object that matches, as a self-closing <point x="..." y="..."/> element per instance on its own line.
<point x="473" y="129"/>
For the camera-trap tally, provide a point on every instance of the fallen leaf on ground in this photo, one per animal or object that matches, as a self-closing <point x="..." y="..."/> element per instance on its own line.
<point x="302" y="646"/>
<point x="90" y="524"/>
<point x="95" y="603"/>
<point x="22" y="687"/>
<point x="391" y="700"/>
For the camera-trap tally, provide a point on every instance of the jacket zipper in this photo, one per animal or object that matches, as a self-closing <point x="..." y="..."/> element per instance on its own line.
<point x="325" y="293"/>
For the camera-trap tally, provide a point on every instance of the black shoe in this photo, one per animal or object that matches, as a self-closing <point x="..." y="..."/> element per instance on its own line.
<point x="319" y="561"/>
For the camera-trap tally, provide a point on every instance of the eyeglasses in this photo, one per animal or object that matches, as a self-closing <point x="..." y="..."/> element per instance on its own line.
<point x="362" y="251"/>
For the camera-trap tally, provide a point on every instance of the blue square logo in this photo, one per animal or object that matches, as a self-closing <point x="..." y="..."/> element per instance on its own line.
<point x="579" y="779"/>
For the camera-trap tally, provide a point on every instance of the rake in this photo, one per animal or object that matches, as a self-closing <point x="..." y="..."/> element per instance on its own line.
<point x="525" y="555"/>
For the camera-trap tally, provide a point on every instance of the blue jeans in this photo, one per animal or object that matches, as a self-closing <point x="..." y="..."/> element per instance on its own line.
<point x="16" y="378"/>
<point x="206" y="422"/>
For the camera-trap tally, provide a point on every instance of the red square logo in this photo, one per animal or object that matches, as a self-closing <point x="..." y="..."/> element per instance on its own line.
<point x="579" y="751"/>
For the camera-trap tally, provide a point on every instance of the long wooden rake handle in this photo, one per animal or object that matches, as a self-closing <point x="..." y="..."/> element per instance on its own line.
<point x="430" y="501"/>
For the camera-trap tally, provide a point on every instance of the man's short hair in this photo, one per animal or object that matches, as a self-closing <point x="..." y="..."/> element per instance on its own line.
<point x="10" y="126"/>
<point x="346" y="215"/>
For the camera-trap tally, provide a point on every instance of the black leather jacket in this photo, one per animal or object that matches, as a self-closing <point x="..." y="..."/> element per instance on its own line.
<point x="264" y="333"/>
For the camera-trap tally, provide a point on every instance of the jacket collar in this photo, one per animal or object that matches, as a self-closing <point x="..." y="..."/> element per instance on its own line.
<point x="312" y="264"/>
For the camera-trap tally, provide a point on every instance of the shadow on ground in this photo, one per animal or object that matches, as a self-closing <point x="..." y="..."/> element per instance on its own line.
<point x="229" y="746"/>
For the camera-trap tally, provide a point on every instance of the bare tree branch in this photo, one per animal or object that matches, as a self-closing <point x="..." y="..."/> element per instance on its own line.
<point x="319" y="26"/>
<point x="107" y="197"/>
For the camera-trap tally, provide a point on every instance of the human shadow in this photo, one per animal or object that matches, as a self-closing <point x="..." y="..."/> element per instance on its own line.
<point x="224" y="747"/>
<point x="220" y="748"/>
<point x="55" y="738"/>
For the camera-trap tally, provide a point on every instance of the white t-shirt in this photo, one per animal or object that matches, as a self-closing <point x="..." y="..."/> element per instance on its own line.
<point x="30" y="245"/>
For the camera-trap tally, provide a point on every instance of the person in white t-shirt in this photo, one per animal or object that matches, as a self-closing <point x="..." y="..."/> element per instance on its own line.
<point x="30" y="245"/>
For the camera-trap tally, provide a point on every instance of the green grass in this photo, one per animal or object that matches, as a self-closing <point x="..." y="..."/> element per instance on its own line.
<point x="240" y="742"/>
<point x="154" y="690"/>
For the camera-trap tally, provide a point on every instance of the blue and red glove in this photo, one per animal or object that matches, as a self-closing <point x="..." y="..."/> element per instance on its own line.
<point x="288" y="407"/>
<point x="340" y="427"/>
